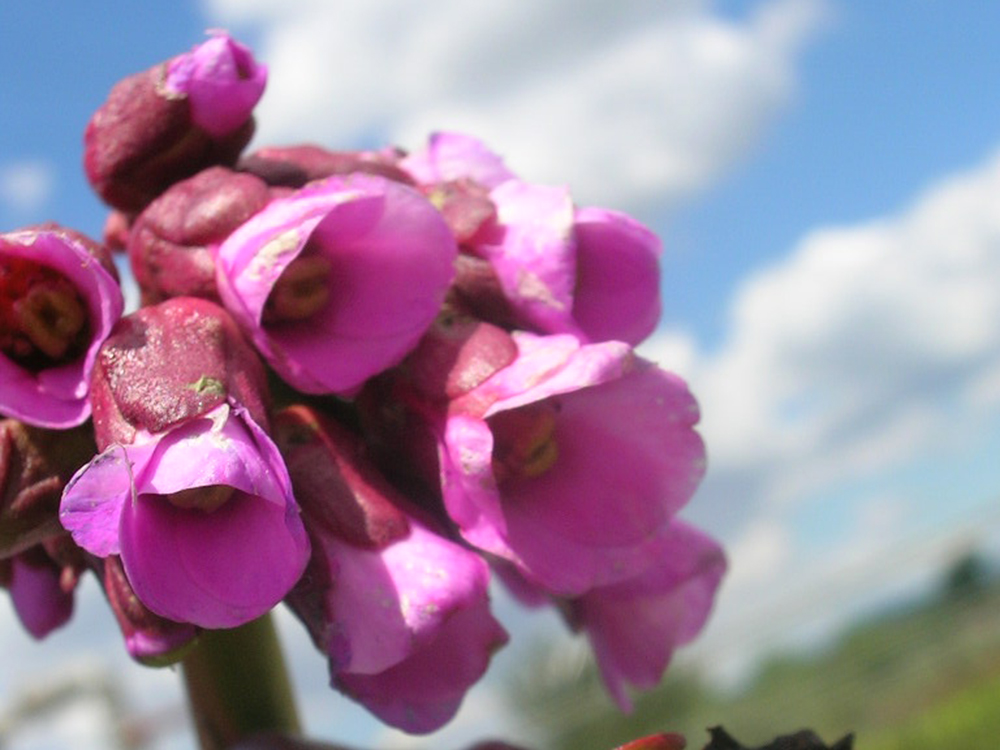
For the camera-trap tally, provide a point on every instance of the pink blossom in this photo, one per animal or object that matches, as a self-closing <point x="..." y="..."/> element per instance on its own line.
<point x="636" y="624"/>
<point x="571" y="461"/>
<point x="401" y="612"/>
<point x="221" y="80"/>
<point x="590" y="272"/>
<point x="338" y="281"/>
<point x="35" y="583"/>
<point x="59" y="299"/>
<point x="202" y="516"/>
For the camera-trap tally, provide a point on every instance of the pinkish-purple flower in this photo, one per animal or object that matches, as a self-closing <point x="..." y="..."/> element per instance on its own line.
<point x="338" y="281"/>
<point x="221" y="81"/>
<point x="35" y="583"/>
<point x="401" y="612"/>
<point x="635" y="625"/>
<point x="202" y="516"/>
<point x="590" y="272"/>
<point x="570" y="461"/>
<point x="59" y="300"/>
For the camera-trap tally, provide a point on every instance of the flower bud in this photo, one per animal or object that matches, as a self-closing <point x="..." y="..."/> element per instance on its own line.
<point x="59" y="298"/>
<point x="172" y="121"/>
<point x="166" y="364"/>
<point x="401" y="612"/>
<point x="294" y="166"/>
<point x="42" y="595"/>
<point x="172" y="243"/>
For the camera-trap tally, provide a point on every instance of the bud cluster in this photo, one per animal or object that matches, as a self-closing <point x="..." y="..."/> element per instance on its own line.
<point x="361" y="383"/>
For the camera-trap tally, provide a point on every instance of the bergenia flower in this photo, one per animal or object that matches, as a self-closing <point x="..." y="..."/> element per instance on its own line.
<point x="559" y="268"/>
<point x="570" y="461"/>
<point x="590" y="272"/>
<point x="189" y="489"/>
<point x="172" y="121"/>
<point x="202" y="516"/>
<point x="635" y="625"/>
<point x="59" y="299"/>
<point x="401" y="612"/>
<point x="338" y="281"/>
<point x="221" y="81"/>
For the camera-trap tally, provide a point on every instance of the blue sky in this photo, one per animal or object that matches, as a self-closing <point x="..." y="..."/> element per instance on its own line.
<point x="826" y="178"/>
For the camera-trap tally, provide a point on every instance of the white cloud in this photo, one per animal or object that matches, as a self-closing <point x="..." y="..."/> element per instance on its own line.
<point x="860" y="351"/>
<point x="26" y="186"/>
<point x="636" y="105"/>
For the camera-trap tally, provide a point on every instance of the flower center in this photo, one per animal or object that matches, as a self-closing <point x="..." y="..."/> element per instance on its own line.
<point x="302" y="290"/>
<point x="43" y="320"/>
<point x="524" y="441"/>
<point x="208" y="498"/>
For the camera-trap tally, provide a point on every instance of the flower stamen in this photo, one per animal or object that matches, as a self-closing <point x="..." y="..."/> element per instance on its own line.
<point x="301" y="291"/>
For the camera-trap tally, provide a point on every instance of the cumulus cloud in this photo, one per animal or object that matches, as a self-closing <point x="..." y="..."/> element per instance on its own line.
<point x="868" y="352"/>
<point x="636" y="105"/>
<point x="863" y="348"/>
<point x="26" y="186"/>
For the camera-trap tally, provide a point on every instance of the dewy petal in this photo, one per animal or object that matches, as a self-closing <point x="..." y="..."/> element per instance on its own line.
<point x="635" y="625"/>
<point x="57" y="397"/>
<point x="222" y="81"/>
<point x="225" y="567"/>
<point x="617" y="293"/>
<point x="391" y="259"/>
<point x="453" y="156"/>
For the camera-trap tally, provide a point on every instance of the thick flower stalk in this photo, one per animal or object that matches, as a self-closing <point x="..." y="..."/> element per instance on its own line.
<point x="539" y="262"/>
<point x="172" y="121"/>
<point x="401" y="613"/>
<point x="189" y="490"/>
<point x="338" y="281"/>
<point x="59" y="298"/>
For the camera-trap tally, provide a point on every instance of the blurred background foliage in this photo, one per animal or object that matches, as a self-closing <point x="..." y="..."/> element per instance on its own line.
<point x="923" y="675"/>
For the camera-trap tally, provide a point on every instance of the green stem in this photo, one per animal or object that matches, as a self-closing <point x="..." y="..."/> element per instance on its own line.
<point x="238" y="686"/>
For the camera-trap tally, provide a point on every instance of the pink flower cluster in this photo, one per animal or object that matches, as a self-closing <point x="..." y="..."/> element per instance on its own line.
<point x="359" y="383"/>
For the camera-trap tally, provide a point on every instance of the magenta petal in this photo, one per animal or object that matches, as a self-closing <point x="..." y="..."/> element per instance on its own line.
<point x="535" y="260"/>
<point x="391" y="258"/>
<point x="412" y="629"/>
<point x="635" y="625"/>
<point x="57" y="397"/>
<point x="222" y="81"/>
<point x="454" y="156"/>
<point x="628" y="458"/>
<point x="39" y="600"/>
<point x="617" y="293"/>
<point x="215" y="570"/>
<point x="95" y="497"/>
<point x="424" y="692"/>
